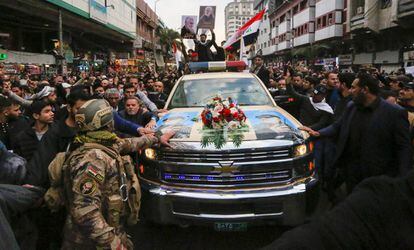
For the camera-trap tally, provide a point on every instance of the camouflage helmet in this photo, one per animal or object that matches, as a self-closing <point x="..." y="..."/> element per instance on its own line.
<point x="94" y="115"/>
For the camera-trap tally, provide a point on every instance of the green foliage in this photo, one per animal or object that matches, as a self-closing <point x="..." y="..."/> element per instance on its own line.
<point x="216" y="137"/>
<point x="167" y="37"/>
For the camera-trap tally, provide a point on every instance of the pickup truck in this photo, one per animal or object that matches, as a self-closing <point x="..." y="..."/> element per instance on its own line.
<point x="266" y="180"/>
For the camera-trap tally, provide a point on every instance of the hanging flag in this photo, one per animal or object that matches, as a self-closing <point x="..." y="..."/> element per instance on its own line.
<point x="248" y="31"/>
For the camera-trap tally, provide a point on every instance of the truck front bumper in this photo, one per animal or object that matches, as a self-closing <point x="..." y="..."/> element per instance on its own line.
<point x="282" y="205"/>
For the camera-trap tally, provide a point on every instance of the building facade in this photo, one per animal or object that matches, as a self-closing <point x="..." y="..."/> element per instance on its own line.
<point x="300" y="23"/>
<point x="147" y="22"/>
<point x="92" y="30"/>
<point x="263" y="44"/>
<point x="382" y="32"/>
<point x="349" y="32"/>
<point x="236" y="14"/>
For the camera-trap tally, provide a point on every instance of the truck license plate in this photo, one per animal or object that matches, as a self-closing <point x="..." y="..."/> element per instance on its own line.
<point x="230" y="227"/>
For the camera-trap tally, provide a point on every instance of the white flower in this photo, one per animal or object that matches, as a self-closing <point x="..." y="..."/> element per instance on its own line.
<point x="226" y="103"/>
<point x="218" y="108"/>
<point x="215" y="114"/>
<point x="233" y="111"/>
<point x="233" y="125"/>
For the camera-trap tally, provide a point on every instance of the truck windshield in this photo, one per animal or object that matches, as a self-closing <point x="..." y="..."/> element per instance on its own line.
<point x="196" y="93"/>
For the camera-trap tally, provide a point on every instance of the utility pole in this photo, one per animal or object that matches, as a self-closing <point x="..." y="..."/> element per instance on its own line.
<point x="61" y="52"/>
<point x="153" y="35"/>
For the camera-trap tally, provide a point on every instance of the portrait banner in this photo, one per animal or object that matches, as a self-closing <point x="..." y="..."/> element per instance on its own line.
<point x="188" y="27"/>
<point x="207" y="17"/>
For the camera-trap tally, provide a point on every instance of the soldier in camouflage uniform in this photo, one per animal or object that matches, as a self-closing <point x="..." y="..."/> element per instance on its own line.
<point x="97" y="182"/>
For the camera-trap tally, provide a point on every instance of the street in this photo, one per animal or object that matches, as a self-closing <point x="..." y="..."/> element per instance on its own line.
<point x="150" y="236"/>
<point x="173" y="237"/>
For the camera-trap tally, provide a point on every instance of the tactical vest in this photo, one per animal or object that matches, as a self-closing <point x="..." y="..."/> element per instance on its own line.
<point x="126" y="202"/>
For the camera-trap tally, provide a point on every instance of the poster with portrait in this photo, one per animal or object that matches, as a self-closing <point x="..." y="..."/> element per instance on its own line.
<point x="188" y="27"/>
<point x="207" y="17"/>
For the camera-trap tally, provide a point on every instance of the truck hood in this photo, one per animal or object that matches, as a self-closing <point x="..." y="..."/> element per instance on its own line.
<point x="264" y="122"/>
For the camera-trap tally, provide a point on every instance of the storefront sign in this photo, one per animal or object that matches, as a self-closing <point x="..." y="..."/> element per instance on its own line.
<point x="137" y="43"/>
<point x="345" y="59"/>
<point x="97" y="10"/>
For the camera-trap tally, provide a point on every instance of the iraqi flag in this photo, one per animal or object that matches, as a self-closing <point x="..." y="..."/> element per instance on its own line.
<point x="248" y="31"/>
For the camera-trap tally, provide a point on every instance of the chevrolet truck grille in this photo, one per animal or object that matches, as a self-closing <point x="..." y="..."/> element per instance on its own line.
<point x="241" y="156"/>
<point x="226" y="180"/>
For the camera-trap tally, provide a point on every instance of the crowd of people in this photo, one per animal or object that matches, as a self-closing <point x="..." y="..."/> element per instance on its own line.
<point x="38" y="120"/>
<point x="361" y="125"/>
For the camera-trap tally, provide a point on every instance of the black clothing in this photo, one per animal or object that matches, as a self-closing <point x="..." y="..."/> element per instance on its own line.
<point x="384" y="148"/>
<point x="9" y="130"/>
<point x="340" y="106"/>
<point x="26" y="143"/>
<point x="203" y="49"/>
<point x="56" y="140"/>
<point x="13" y="168"/>
<point x="159" y="99"/>
<point x="308" y="115"/>
<point x="333" y="96"/>
<point x="378" y="215"/>
<point x="220" y="55"/>
<point x="263" y="74"/>
<point x="408" y="108"/>
<point x="358" y="130"/>
<point x="14" y="201"/>
<point x="140" y="118"/>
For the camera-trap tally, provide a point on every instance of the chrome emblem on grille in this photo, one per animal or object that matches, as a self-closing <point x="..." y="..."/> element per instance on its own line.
<point x="225" y="168"/>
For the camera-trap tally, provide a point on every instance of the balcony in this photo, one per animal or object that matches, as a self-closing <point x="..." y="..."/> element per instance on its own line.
<point x="284" y="27"/>
<point x="326" y="6"/>
<point x="304" y="16"/>
<point x="329" y="32"/>
<point x="283" y="45"/>
<point x="303" y="39"/>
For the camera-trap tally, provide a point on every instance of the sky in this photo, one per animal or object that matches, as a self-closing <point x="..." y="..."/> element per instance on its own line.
<point x="170" y="12"/>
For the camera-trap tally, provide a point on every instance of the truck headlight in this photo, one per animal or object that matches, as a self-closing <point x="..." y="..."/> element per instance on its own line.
<point x="300" y="150"/>
<point x="150" y="153"/>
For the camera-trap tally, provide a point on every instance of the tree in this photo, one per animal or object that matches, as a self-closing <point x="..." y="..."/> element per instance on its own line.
<point x="167" y="37"/>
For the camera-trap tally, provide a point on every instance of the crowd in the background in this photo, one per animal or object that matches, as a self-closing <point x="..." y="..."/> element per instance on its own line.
<point x="361" y="123"/>
<point x="37" y="121"/>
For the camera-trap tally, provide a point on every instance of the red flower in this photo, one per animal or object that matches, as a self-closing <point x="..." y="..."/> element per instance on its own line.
<point x="235" y="115"/>
<point x="216" y="119"/>
<point x="226" y="112"/>
<point x="232" y="105"/>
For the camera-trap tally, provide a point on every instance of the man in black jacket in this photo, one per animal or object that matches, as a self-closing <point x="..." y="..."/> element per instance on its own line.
<point x="27" y="141"/>
<point x="314" y="112"/>
<point x="379" y="214"/>
<point x="202" y="47"/>
<point x="373" y="136"/>
<point x="56" y="140"/>
<point x="11" y="121"/>
<point x="345" y="83"/>
<point x="220" y="53"/>
<point x="260" y="70"/>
